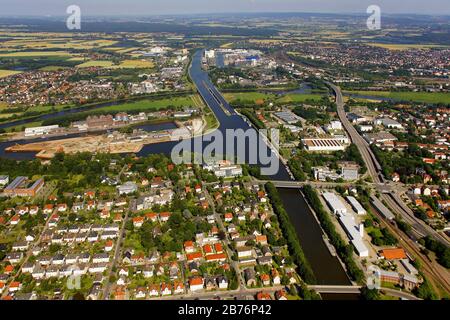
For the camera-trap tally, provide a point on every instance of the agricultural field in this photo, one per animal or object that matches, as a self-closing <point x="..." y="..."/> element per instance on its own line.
<point x="32" y="54"/>
<point x="135" y="64"/>
<point x="64" y="43"/>
<point x="405" y="46"/>
<point x="125" y="64"/>
<point x="7" y="73"/>
<point x="424" y="97"/>
<point x="96" y="63"/>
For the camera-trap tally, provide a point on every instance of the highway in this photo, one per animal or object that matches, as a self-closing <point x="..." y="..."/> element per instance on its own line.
<point x="435" y="272"/>
<point x="420" y="228"/>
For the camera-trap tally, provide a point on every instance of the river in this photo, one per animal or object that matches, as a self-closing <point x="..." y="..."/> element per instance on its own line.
<point x="226" y="115"/>
<point x="326" y="267"/>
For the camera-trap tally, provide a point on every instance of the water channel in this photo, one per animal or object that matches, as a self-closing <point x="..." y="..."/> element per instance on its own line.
<point x="326" y="267"/>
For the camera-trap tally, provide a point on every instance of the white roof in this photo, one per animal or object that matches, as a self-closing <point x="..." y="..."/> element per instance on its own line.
<point x="352" y="229"/>
<point x="334" y="202"/>
<point x="356" y="205"/>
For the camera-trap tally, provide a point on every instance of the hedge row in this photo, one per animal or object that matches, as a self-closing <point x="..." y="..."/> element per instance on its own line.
<point x="345" y="251"/>
<point x="296" y="251"/>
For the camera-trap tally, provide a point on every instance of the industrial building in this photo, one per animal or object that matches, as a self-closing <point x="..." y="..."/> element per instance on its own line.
<point x="4" y="180"/>
<point x="288" y="116"/>
<point x="379" y="137"/>
<point x="356" y="205"/>
<point x="388" y="123"/>
<point x="324" y="173"/>
<point x="22" y="187"/>
<point x="334" y="125"/>
<point x="334" y="203"/>
<point x="354" y="232"/>
<point x="381" y="208"/>
<point x="323" y="144"/>
<point x="39" y="131"/>
<point x="349" y="170"/>
<point x="355" y="118"/>
<point x="224" y="169"/>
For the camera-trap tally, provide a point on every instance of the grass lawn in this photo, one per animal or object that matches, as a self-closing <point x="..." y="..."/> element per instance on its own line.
<point x="248" y="96"/>
<point x="7" y="73"/>
<point x="425" y="97"/>
<point x="260" y="97"/>
<point x="299" y="98"/>
<point x="151" y="104"/>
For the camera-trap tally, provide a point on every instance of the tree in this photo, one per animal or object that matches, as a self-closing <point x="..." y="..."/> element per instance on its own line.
<point x="369" y="294"/>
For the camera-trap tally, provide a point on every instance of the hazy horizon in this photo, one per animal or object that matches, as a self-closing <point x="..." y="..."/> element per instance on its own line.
<point x="42" y="8"/>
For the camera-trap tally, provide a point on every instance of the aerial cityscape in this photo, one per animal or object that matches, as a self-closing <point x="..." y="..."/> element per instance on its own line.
<point x="215" y="153"/>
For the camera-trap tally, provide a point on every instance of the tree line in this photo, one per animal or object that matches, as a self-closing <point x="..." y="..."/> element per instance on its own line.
<point x="296" y="251"/>
<point x="345" y="251"/>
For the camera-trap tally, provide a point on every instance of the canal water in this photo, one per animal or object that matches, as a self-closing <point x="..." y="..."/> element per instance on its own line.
<point x="326" y="267"/>
<point x="226" y="115"/>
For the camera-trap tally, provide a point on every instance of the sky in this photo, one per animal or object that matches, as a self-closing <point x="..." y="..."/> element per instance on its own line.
<point x="161" y="7"/>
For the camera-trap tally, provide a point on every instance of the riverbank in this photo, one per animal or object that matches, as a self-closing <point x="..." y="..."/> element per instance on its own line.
<point x="344" y="250"/>
<point x="327" y="268"/>
<point x="304" y="268"/>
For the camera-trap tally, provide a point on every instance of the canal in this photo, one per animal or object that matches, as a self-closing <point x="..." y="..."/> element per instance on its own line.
<point x="225" y="114"/>
<point x="327" y="268"/>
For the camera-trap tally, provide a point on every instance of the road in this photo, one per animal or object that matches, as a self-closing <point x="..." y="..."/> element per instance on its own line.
<point x="374" y="169"/>
<point x="226" y="242"/>
<point x="436" y="273"/>
<point x="116" y="257"/>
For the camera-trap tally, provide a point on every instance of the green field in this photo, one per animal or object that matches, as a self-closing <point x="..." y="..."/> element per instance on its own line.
<point x="96" y="63"/>
<point x="425" y="97"/>
<point x="261" y="98"/>
<point x="151" y="104"/>
<point x="7" y="73"/>
<point x="26" y="54"/>
<point x="135" y="64"/>
<point x="405" y="46"/>
<point x="299" y="98"/>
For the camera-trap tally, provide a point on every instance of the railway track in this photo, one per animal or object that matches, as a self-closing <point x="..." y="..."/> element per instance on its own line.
<point x="431" y="270"/>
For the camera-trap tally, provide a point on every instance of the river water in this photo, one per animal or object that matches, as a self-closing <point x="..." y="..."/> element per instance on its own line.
<point x="227" y="117"/>
<point x="326" y="267"/>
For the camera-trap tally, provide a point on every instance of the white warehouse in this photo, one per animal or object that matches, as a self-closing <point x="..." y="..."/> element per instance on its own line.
<point x="323" y="144"/>
<point x="355" y="234"/>
<point x="38" y="131"/>
<point x="356" y="205"/>
<point x="334" y="203"/>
